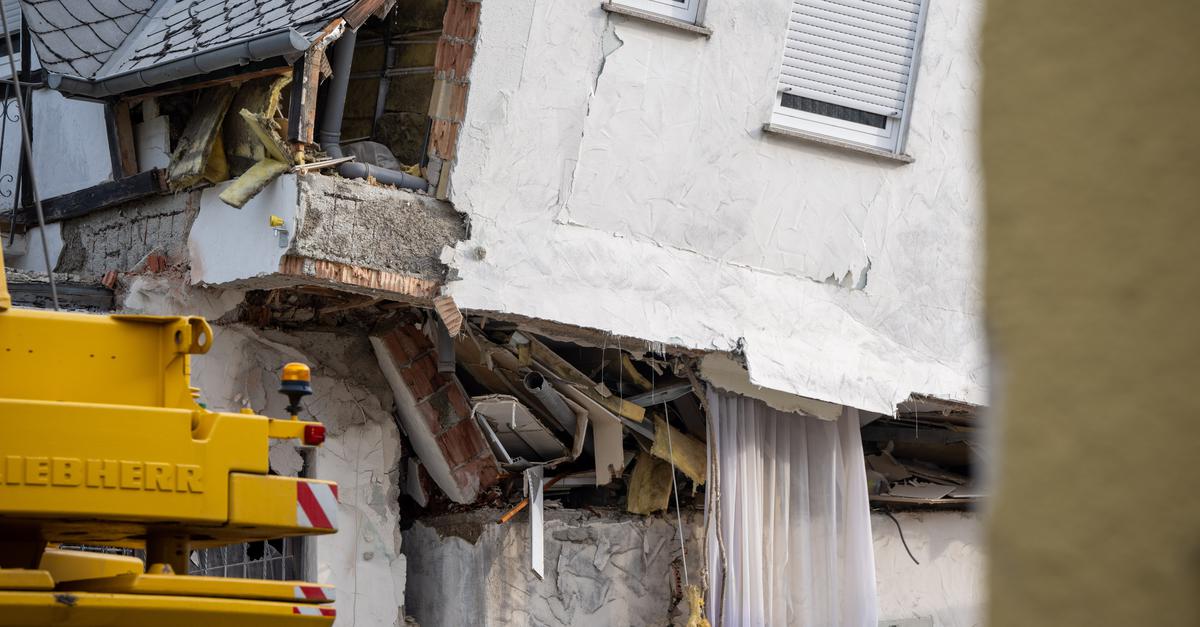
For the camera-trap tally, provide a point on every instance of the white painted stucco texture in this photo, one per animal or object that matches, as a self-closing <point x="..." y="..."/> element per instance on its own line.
<point x="617" y="177"/>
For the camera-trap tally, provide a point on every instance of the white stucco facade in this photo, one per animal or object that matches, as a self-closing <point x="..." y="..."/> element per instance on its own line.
<point x="617" y="177"/>
<point x="947" y="588"/>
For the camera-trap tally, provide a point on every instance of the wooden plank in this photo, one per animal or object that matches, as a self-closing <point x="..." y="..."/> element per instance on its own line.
<point x="71" y="295"/>
<point x="303" y="119"/>
<point x="126" y="147"/>
<point x="99" y="197"/>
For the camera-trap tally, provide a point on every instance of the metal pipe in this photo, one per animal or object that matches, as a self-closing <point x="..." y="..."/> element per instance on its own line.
<point x="381" y="89"/>
<point x="331" y="123"/>
<point x="537" y="385"/>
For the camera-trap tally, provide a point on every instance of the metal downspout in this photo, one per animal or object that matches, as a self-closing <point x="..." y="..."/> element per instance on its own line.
<point x="331" y="123"/>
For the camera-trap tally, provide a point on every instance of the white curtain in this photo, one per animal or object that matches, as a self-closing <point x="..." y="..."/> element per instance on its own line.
<point x="789" y="533"/>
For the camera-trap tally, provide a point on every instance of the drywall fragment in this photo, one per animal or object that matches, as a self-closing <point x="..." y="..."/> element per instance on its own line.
<point x="690" y="455"/>
<point x="649" y="485"/>
<point x="191" y="156"/>
<point x="448" y="311"/>
<point x="722" y="371"/>
<point x="252" y="181"/>
<point x="563" y="369"/>
<point x="533" y="483"/>
<point x="524" y="437"/>
<point x="152" y="141"/>
<point x="581" y="425"/>
<point x="607" y="433"/>
<point x="886" y="465"/>
<point x="436" y="414"/>
<point x="610" y="453"/>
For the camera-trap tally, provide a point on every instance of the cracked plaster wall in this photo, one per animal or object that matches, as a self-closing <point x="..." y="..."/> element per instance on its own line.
<point x="948" y="585"/>
<point x="616" y="177"/>
<point x="361" y="453"/>
<point x="600" y="570"/>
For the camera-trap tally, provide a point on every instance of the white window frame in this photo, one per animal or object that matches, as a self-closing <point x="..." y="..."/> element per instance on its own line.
<point x="686" y="11"/>
<point x="890" y="139"/>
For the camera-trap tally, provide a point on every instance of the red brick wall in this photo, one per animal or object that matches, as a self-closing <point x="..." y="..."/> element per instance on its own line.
<point x="444" y="408"/>
<point x="455" y="53"/>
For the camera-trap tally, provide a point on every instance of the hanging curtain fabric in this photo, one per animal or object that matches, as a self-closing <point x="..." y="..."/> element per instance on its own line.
<point x="789" y="524"/>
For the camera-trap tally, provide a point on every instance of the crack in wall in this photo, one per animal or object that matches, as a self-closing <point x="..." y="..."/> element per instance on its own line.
<point x="610" y="42"/>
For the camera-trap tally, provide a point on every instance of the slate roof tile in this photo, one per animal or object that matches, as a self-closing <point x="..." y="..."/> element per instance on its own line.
<point x="75" y="36"/>
<point x="88" y="38"/>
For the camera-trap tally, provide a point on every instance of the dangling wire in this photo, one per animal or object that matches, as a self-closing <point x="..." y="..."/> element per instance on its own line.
<point x="28" y="152"/>
<point x="674" y="484"/>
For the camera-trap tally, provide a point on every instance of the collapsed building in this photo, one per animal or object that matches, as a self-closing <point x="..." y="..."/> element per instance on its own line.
<point x="585" y="356"/>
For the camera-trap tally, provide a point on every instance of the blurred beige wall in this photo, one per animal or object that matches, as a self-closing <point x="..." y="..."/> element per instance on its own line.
<point x="1091" y="149"/>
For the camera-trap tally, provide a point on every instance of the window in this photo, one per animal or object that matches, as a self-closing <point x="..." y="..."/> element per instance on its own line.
<point x="848" y="71"/>
<point x="682" y="10"/>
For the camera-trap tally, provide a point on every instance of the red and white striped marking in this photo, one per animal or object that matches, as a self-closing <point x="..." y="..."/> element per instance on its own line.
<point x="309" y="610"/>
<point x="314" y="593"/>
<point x="316" y="505"/>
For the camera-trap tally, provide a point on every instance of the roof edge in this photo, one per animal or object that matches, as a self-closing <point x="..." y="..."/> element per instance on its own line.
<point x="279" y="43"/>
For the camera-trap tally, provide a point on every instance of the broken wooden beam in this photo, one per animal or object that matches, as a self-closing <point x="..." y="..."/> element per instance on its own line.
<point x="126" y="148"/>
<point x="302" y="120"/>
<point x="98" y="197"/>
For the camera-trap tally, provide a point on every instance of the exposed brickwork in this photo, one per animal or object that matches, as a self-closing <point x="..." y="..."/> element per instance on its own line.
<point x="452" y="66"/>
<point x="443" y="408"/>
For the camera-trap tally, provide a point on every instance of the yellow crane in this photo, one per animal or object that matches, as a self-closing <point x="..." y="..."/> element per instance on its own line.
<point x="103" y="442"/>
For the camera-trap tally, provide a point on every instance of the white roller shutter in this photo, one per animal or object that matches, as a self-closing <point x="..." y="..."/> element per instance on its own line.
<point x="854" y="53"/>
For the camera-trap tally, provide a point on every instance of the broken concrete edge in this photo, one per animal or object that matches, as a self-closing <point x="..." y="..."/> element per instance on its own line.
<point x="356" y="222"/>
